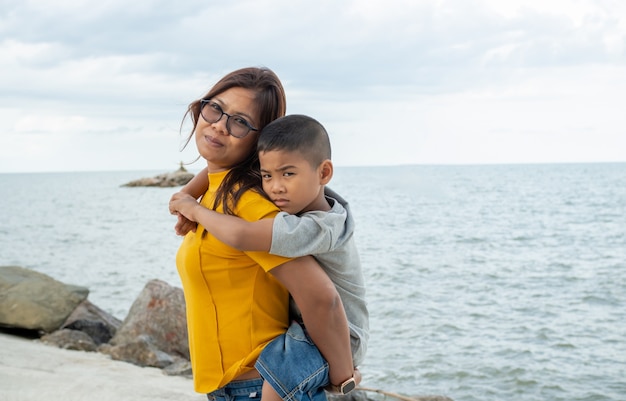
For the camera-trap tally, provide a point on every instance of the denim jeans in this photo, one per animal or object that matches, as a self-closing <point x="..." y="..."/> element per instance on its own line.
<point x="241" y="390"/>
<point x="294" y="367"/>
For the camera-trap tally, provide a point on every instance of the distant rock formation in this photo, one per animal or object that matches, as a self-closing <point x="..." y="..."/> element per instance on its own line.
<point x="177" y="178"/>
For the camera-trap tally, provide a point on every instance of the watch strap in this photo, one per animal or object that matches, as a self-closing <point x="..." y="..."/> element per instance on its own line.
<point x="343" y="388"/>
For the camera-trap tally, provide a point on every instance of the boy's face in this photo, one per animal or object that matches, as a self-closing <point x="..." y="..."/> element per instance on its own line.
<point x="291" y="182"/>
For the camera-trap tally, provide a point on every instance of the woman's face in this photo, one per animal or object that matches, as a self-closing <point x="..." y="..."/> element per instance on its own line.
<point x="220" y="149"/>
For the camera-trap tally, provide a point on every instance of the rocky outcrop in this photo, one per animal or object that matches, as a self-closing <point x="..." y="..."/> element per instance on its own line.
<point x="177" y="178"/>
<point x="154" y="333"/>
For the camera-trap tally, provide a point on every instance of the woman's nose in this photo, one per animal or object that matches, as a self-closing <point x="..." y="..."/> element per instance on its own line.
<point x="221" y="125"/>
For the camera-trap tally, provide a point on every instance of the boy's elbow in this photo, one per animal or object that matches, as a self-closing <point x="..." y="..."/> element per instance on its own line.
<point x="328" y="299"/>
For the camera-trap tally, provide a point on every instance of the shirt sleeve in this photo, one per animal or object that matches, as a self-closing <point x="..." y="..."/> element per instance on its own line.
<point x="309" y="234"/>
<point x="253" y="207"/>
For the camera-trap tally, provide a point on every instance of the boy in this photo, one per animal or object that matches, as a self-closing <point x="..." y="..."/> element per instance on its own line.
<point x="294" y="154"/>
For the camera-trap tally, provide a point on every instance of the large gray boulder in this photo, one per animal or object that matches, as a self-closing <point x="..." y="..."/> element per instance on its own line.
<point x="34" y="301"/>
<point x="156" y="322"/>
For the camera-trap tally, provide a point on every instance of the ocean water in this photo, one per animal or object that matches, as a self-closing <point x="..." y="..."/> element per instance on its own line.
<point x="486" y="283"/>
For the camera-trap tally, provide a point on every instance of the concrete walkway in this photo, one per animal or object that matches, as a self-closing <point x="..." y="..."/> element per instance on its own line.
<point x="31" y="370"/>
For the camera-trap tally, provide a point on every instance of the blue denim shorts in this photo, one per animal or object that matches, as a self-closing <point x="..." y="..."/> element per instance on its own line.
<point x="294" y="367"/>
<point x="240" y="390"/>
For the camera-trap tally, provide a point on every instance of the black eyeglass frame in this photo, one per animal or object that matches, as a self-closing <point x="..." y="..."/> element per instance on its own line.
<point x="205" y="102"/>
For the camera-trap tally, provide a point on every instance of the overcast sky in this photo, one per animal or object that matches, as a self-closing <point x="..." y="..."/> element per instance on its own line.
<point x="103" y="85"/>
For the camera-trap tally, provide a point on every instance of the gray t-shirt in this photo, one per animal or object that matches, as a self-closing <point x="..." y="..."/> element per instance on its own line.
<point x="328" y="236"/>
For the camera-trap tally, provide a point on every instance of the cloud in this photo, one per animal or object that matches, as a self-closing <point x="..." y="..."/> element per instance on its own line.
<point x="445" y="69"/>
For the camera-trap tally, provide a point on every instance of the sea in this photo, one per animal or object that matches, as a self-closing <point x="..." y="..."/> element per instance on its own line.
<point x="485" y="282"/>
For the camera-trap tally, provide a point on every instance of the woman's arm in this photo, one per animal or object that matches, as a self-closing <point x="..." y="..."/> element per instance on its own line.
<point x="322" y="311"/>
<point x="231" y="230"/>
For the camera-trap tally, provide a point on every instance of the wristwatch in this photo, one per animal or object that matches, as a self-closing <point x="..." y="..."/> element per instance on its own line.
<point x="343" y="388"/>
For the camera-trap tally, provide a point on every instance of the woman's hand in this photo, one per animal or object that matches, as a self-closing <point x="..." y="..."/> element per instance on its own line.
<point x="182" y="205"/>
<point x="184" y="225"/>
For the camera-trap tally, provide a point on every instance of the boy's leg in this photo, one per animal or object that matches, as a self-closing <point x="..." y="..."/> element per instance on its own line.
<point x="294" y="367"/>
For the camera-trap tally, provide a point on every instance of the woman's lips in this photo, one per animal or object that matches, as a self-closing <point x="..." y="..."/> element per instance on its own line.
<point x="212" y="141"/>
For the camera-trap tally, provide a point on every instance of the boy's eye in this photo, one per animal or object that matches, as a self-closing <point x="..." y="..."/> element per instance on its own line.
<point x="288" y="174"/>
<point x="266" y="176"/>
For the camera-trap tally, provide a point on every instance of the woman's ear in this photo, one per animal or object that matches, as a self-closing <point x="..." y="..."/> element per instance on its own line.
<point x="326" y="171"/>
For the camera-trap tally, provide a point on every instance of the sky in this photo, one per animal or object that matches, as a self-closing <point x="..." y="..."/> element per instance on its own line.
<point x="99" y="86"/>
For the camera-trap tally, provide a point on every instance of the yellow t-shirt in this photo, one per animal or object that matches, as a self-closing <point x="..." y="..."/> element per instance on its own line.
<point x="234" y="306"/>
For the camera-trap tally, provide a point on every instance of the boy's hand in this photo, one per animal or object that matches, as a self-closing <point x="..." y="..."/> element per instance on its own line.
<point x="182" y="203"/>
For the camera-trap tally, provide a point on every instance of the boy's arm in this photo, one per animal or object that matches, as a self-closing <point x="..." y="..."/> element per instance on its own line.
<point x="231" y="230"/>
<point x="312" y="233"/>
<point x="322" y="311"/>
<point x="196" y="187"/>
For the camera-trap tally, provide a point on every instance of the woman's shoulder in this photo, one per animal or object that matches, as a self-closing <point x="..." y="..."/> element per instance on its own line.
<point x="254" y="206"/>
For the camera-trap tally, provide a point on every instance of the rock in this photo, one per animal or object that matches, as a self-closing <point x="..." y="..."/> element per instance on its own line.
<point x="156" y="318"/>
<point x="178" y="178"/>
<point x="154" y="333"/>
<point x="356" y="395"/>
<point x="432" y="398"/>
<point x="360" y="395"/>
<point x="34" y="301"/>
<point x="180" y="367"/>
<point x="70" y="339"/>
<point x="98" y="324"/>
<point x="141" y="351"/>
<point x="97" y="331"/>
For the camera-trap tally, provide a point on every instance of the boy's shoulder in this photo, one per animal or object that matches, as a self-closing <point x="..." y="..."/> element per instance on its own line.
<point x="329" y="193"/>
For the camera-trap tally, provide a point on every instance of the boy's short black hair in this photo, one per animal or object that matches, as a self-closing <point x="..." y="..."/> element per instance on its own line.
<point x="296" y="133"/>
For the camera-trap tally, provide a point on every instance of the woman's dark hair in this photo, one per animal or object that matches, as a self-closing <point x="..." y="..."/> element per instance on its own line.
<point x="270" y="99"/>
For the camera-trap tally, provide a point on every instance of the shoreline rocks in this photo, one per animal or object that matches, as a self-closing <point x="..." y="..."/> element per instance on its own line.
<point x="153" y="334"/>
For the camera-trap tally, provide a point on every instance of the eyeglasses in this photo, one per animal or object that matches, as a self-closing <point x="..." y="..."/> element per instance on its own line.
<point x="237" y="126"/>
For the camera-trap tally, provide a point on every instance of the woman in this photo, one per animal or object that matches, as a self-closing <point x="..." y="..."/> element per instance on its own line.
<point x="237" y="302"/>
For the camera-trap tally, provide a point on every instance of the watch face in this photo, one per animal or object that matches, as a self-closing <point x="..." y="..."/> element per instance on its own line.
<point x="348" y="386"/>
